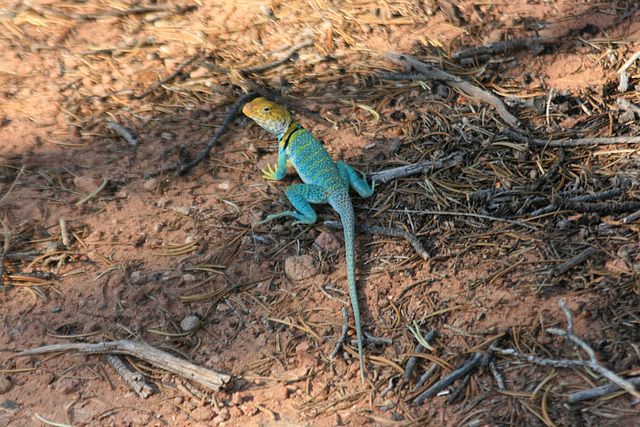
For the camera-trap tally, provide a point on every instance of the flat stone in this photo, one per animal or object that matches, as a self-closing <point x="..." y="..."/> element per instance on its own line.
<point x="300" y="267"/>
<point x="328" y="242"/>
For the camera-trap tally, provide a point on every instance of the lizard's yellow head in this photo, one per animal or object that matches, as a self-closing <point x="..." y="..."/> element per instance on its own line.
<point x="272" y="117"/>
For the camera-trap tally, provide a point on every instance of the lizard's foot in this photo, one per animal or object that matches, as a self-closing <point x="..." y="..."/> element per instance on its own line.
<point x="274" y="216"/>
<point x="301" y="219"/>
<point x="269" y="173"/>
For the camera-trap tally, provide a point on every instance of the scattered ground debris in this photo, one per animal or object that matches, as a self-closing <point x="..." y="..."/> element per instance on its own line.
<point x="503" y="142"/>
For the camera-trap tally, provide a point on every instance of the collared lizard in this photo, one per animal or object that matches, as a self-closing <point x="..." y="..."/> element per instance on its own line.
<point x="325" y="181"/>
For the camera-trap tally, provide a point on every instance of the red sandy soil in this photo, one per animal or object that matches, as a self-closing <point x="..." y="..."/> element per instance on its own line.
<point x="118" y="279"/>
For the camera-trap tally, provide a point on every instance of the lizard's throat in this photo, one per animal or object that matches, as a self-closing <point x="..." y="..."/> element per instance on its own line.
<point x="286" y="137"/>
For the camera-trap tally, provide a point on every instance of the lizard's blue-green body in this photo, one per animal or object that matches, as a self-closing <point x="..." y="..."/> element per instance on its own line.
<point x="325" y="181"/>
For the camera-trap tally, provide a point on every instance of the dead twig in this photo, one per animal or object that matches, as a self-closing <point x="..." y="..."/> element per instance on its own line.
<point x="64" y="233"/>
<point x="425" y="377"/>
<point x="123" y="132"/>
<point x="170" y="77"/>
<point x="576" y="202"/>
<point x="571" y="142"/>
<point x="413" y="360"/>
<point x="143" y="351"/>
<point x="581" y="142"/>
<point x="498" y="377"/>
<point x="343" y="335"/>
<point x="184" y="167"/>
<point x="433" y="73"/>
<point x="630" y="218"/>
<point x="624" y="78"/>
<point x="387" y="232"/>
<point x="538" y="183"/>
<point x="227" y="120"/>
<point x="135" y="380"/>
<point x="573" y="261"/>
<point x="592" y="363"/>
<point x="111" y="13"/>
<point x="464" y="370"/>
<point x="260" y="68"/>
<point x="593" y="360"/>
<point x="462" y="214"/>
<point x="8" y="249"/>
<point x="403" y="171"/>
<point x="606" y="208"/>
<point x="455" y="393"/>
<point x="503" y="46"/>
<point x="412" y="363"/>
<point x="594" y="393"/>
<point x="401" y="76"/>
<point x="626" y="105"/>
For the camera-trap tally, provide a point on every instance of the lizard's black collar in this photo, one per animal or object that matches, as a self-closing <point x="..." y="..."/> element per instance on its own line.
<point x="286" y="138"/>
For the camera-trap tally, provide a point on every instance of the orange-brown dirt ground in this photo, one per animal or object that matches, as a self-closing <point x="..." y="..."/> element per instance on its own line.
<point x="151" y="248"/>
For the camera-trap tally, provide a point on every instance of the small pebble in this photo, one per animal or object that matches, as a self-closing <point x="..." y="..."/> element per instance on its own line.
<point x="5" y="384"/>
<point x="9" y="406"/>
<point x="190" y="323"/>
<point x="203" y="413"/>
<point x="328" y="242"/>
<point x="300" y="267"/>
<point x="181" y="210"/>
<point x="150" y="185"/>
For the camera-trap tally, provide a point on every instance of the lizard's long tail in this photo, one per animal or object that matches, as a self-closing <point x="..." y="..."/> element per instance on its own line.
<point x="348" y="222"/>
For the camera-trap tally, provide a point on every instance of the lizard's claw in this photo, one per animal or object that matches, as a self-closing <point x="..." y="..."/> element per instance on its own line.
<point x="269" y="173"/>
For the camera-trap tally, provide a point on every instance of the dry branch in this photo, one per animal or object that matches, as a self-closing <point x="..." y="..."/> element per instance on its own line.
<point x="143" y="351"/>
<point x="573" y="261"/>
<point x="581" y="142"/>
<point x="227" y="120"/>
<point x="170" y="77"/>
<point x="260" y="68"/>
<point x="123" y="132"/>
<point x="413" y="360"/>
<point x="403" y="171"/>
<point x="183" y="168"/>
<point x="571" y="142"/>
<point x="503" y="46"/>
<point x="605" y="208"/>
<point x="465" y="369"/>
<point x="594" y="393"/>
<point x="577" y="203"/>
<point x="388" y="232"/>
<point x="343" y="334"/>
<point x="111" y="13"/>
<point x="592" y="363"/>
<point x="432" y="73"/>
<point x="135" y="380"/>
<point x="425" y="377"/>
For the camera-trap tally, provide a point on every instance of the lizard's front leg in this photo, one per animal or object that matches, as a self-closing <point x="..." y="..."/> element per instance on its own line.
<point x="281" y="168"/>
<point x="300" y="196"/>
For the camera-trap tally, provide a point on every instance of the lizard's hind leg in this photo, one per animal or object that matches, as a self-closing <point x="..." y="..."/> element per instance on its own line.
<point x="300" y="196"/>
<point x="359" y="184"/>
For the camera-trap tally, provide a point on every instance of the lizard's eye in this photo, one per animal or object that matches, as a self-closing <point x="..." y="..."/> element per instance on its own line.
<point x="266" y="110"/>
